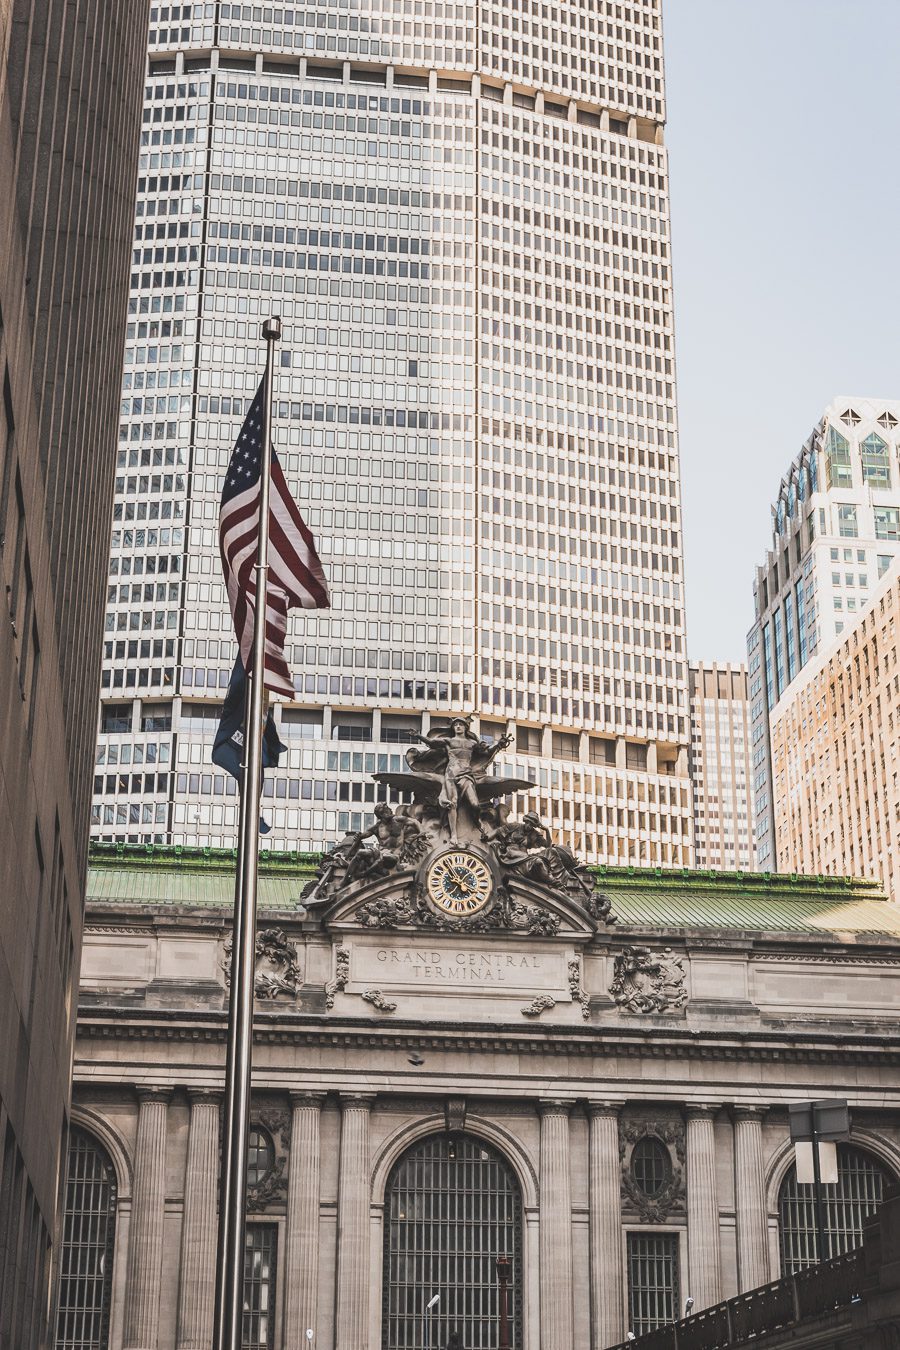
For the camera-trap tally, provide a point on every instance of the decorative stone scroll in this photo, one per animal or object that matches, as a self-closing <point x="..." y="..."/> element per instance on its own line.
<point x="539" y="1004"/>
<point x="341" y="976"/>
<point x="578" y="992"/>
<point x="378" y="1001"/>
<point x="277" y="970"/>
<point x="644" y="982"/>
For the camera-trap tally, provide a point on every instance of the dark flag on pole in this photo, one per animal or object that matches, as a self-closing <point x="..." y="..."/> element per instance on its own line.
<point x="296" y="579"/>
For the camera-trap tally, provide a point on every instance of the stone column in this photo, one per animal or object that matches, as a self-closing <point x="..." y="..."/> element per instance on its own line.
<point x="704" y="1266"/>
<point x="145" y="1248"/>
<point x="197" y="1290"/>
<point x="301" y="1266"/>
<point x="353" y="1275"/>
<point x="557" y="1323"/>
<point x="605" y="1217"/>
<point x="750" y="1199"/>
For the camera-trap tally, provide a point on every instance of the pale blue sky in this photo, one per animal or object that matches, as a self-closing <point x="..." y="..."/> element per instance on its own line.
<point x="784" y="138"/>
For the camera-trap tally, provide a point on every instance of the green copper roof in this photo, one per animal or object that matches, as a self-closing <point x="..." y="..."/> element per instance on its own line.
<point x="844" y="907"/>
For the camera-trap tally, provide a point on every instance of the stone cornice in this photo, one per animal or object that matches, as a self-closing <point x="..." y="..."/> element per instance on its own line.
<point x="758" y="1045"/>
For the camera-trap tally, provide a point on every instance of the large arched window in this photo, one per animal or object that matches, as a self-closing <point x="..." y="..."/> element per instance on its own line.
<point x="452" y="1207"/>
<point x="847" y="1206"/>
<point x="85" y="1277"/>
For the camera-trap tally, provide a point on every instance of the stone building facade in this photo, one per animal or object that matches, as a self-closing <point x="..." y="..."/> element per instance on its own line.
<point x="612" y="1073"/>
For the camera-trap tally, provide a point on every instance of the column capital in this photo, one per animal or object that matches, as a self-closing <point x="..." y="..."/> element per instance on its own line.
<point x="604" y="1109"/>
<point x="356" y="1101"/>
<point x="301" y="1098"/>
<point x="554" y="1106"/>
<point x="701" y="1110"/>
<point x="201" y="1096"/>
<point x="154" y="1094"/>
<point x="749" y="1112"/>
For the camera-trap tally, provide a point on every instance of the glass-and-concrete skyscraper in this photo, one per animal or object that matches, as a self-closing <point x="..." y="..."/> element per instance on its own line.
<point x="461" y="213"/>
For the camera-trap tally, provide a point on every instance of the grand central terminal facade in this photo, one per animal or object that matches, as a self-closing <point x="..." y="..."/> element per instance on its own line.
<point x="468" y="1046"/>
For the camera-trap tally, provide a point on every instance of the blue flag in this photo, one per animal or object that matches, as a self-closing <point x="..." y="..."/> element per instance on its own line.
<point x="228" y="747"/>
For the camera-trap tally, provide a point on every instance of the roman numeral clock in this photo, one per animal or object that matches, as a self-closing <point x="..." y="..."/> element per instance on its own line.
<point x="459" y="883"/>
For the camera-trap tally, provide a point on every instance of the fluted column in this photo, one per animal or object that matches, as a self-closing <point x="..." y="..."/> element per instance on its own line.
<point x="301" y="1267"/>
<point x="704" y="1265"/>
<point x="353" y="1274"/>
<point x="197" y="1291"/>
<point x="557" y="1326"/>
<point x="145" y="1248"/>
<point x="750" y="1199"/>
<point x="605" y="1218"/>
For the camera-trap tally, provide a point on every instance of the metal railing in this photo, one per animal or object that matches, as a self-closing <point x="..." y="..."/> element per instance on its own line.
<point x="786" y="1302"/>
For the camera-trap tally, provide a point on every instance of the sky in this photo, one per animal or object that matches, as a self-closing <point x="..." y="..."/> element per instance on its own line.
<point x="784" y="142"/>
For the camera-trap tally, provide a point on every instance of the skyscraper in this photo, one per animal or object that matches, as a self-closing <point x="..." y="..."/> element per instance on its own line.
<point x="720" y="768"/>
<point x="462" y="217"/>
<point x="835" y="532"/>
<point x="70" y="85"/>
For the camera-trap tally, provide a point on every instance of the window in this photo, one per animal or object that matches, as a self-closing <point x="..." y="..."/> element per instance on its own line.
<point x="651" y="1166"/>
<point x="847" y="1206"/>
<point x="635" y="756"/>
<point x="400" y="730"/>
<point x="156" y="717"/>
<point x="652" y="1280"/>
<point x="884" y="562"/>
<point x="258" y="1331"/>
<point x="848" y="527"/>
<point x="602" y="751"/>
<point x="887" y="522"/>
<point x="303" y="722"/>
<point x="116" y="717"/>
<point x="565" y="745"/>
<point x="86" y="1259"/>
<point x="453" y="1206"/>
<point x="260" y="1157"/>
<point x="838" y="472"/>
<point x="352" y="727"/>
<point x="875" y="463"/>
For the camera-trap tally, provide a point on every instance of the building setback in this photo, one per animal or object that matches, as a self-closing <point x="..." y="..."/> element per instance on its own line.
<point x="835" y="749"/>
<point x="835" y="532"/>
<point x="619" y="1090"/>
<point x="467" y="237"/>
<point x="720" y="768"/>
<point x="70" y="84"/>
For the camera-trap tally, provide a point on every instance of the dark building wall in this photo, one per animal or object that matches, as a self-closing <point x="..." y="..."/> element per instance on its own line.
<point x="70" y="96"/>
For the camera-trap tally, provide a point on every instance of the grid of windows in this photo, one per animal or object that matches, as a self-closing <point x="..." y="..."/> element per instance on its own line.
<point x="652" y="1280"/>
<point x="258" y="1331"/>
<point x="89" y="1225"/>
<point x="490" y="469"/>
<point x="847" y="1206"/>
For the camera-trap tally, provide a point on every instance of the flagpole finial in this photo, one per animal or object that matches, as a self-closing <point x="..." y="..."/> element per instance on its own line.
<point x="271" y="329"/>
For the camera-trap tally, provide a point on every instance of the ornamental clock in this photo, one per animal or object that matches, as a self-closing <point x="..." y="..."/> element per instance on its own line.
<point x="459" y="883"/>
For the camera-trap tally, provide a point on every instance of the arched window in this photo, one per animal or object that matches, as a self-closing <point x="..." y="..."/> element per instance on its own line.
<point x="260" y="1156"/>
<point x="453" y="1205"/>
<point x="89" y="1227"/>
<point x="651" y="1166"/>
<point x="847" y="1206"/>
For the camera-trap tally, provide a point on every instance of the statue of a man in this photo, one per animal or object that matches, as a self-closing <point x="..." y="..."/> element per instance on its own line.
<point x="456" y="759"/>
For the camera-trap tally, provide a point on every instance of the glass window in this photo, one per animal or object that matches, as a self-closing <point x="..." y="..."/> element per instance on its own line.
<point x="651" y="1166"/>
<point x="875" y="463"/>
<point x="779" y="653"/>
<point x="847" y="1206"/>
<point x="884" y="562"/>
<point x="652" y="1280"/>
<point x="260" y="1157"/>
<point x="453" y="1206"/>
<point x="887" y="522"/>
<point x="635" y="756"/>
<point x="770" y="668"/>
<point x="258" y="1332"/>
<point x="848" y="527"/>
<point x="801" y="623"/>
<point x="116" y="717"/>
<point x="790" y="636"/>
<point x="86" y="1260"/>
<point x="838" y="472"/>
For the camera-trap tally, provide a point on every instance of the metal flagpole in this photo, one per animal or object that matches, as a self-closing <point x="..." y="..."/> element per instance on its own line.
<point x="233" y="1188"/>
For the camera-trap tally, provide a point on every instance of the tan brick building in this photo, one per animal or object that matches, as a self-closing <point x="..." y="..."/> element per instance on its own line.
<point x="835" y="746"/>
<point x="720" y="768"/>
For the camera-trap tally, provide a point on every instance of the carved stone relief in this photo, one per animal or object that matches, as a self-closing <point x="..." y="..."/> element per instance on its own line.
<point x="378" y="1001"/>
<point x="578" y="992"/>
<point x="669" y="1196"/>
<point x="539" y="1004"/>
<point x="648" y="982"/>
<point x="341" y="976"/>
<point x="271" y="1190"/>
<point x="277" y="970"/>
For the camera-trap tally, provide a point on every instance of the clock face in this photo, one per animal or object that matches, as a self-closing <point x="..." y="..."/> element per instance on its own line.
<point x="459" y="883"/>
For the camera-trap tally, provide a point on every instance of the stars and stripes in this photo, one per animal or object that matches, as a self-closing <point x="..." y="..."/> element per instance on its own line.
<point x="295" y="579"/>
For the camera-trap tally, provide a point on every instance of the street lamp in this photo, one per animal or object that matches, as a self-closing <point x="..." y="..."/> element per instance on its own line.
<point x="429" y="1306"/>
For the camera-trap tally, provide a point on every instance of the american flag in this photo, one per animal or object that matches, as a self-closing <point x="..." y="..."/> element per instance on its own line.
<point x="295" y="576"/>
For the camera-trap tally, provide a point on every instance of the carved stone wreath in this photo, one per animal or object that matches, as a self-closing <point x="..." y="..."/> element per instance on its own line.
<point x="648" y="982"/>
<point x="415" y="911"/>
<point x="576" y="989"/>
<point x="539" y="1004"/>
<point x="277" y="971"/>
<point x="655" y="1208"/>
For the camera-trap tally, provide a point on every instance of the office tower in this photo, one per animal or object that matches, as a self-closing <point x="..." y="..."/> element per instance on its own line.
<point x="835" y="532"/>
<point x="462" y="218"/>
<point x="835" y="743"/>
<point x="70" y="92"/>
<point x="720" y="767"/>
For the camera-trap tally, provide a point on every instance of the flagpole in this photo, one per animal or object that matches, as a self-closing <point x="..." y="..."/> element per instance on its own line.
<point x="233" y="1186"/>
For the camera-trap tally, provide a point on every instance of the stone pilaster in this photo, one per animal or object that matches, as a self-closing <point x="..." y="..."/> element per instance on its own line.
<point x="557" y="1323"/>
<point x="353" y="1274"/>
<point x="301" y="1267"/>
<point x="605" y="1218"/>
<point x="197" y="1290"/>
<point x="145" y="1248"/>
<point x="704" y="1265"/>
<point x="750" y="1199"/>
